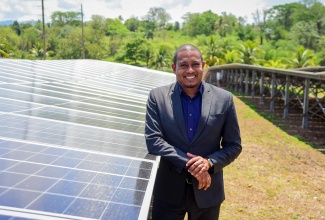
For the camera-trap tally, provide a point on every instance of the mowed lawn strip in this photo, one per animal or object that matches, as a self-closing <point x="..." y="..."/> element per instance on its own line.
<point x="275" y="177"/>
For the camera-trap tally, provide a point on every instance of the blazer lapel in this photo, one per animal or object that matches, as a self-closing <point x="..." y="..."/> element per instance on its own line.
<point x="205" y="110"/>
<point x="176" y="103"/>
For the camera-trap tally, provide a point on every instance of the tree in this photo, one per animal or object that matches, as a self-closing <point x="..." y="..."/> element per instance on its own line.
<point x="196" y="23"/>
<point x="305" y="33"/>
<point x="63" y="18"/>
<point x="246" y="33"/>
<point x="210" y="51"/>
<point x="115" y="27"/>
<point x="226" y="24"/>
<point x="29" y="37"/>
<point x="283" y="14"/>
<point x="302" y="58"/>
<point x="9" y="41"/>
<point x="4" y="49"/>
<point x="176" y="26"/>
<point x="248" y="52"/>
<point x="231" y="56"/>
<point x="16" y="27"/>
<point x="132" y="24"/>
<point x="275" y="64"/>
<point x="158" y="16"/>
<point x="97" y="29"/>
<point x="133" y="52"/>
<point x="260" y="22"/>
<point x="161" y="60"/>
<point x="70" y="46"/>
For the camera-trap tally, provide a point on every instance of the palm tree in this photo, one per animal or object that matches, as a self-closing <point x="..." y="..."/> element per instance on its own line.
<point x="210" y="51"/>
<point x="37" y="50"/>
<point x="231" y="56"/>
<point x="248" y="52"/>
<point x="5" y="49"/>
<point x="275" y="64"/>
<point x="161" y="60"/>
<point x="302" y="58"/>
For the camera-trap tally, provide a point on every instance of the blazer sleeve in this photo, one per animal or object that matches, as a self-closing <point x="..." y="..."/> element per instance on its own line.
<point x="155" y="139"/>
<point x="231" y="140"/>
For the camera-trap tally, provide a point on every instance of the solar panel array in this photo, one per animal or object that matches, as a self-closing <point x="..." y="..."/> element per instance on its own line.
<point x="71" y="139"/>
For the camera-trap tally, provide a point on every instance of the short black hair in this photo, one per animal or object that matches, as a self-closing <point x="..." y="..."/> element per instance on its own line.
<point x="185" y="47"/>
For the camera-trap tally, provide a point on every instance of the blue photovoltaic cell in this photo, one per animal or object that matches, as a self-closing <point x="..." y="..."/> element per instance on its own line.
<point x="66" y="187"/>
<point x="121" y="211"/>
<point x="11" y="179"/>
<point x="71" y="140"/>
<point x="36" y="183"/>
<point x="51" y="203"/>
<point x="98" y="192"/>
<point x="86" y="208"/>
<point x="17" y="198"/>
<point x="55" y="172"/>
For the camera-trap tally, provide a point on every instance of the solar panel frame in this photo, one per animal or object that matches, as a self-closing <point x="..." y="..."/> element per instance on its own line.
<point x="56" y="118"/>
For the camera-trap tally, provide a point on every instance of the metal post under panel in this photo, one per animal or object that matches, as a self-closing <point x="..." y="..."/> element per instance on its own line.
<point x="246" y="82"/>
<point x="262" y="88"/>
<point x="273" y="90"/>
<point x="241" y="81"/>
<point x="236" y="80"/>
<point x="253" y="83"/>
<point x="305" y="104"/>
<point x="286" y="97"/>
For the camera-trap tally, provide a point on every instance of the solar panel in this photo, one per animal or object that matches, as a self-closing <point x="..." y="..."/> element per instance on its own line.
<point x="71" y="139"/>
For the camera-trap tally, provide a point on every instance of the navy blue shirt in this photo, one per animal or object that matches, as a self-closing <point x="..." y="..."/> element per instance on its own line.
<point x="191" y="110"/>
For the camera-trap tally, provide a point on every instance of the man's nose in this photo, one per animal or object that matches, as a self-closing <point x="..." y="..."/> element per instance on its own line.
<point x="190" y="69"/>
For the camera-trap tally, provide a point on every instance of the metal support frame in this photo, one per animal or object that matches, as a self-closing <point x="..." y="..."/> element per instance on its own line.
<point x="305" y="104"/>
<point x="286" y="97"/>
<point x="273" y="91"/>
<point x="305" y="94"/>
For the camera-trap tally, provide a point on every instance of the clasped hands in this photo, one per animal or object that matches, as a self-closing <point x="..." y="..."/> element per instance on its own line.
<point x="198" y="167"/>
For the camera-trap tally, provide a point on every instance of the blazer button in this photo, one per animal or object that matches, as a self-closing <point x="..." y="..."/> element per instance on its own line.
<point x="191" y="147"/>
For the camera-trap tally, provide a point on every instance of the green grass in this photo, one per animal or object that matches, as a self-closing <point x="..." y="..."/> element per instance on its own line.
<point x="277" y="176"/>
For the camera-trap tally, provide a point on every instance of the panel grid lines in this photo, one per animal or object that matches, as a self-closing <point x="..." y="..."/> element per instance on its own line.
<point x="71" y="139"/>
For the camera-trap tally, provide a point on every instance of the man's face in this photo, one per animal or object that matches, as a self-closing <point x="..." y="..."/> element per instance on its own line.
<point x="188" y="69"/>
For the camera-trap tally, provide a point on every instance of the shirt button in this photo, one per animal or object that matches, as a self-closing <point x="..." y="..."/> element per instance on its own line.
<point x="190" y="129"/>
<point x="190" y="114"/>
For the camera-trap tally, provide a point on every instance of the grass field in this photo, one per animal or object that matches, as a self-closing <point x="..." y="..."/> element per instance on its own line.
<point x="276" y="176"/>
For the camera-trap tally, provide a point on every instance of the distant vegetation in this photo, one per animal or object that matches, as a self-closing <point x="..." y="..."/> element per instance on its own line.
<point x="284" y="36"/>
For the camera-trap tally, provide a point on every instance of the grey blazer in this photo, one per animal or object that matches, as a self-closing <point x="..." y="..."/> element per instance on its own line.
<point x="217" y="137"/>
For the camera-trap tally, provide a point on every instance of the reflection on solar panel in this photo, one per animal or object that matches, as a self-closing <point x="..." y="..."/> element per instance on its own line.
<point x="71" y="140"/>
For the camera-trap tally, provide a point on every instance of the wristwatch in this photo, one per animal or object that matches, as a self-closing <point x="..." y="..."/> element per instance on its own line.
<point x="210" y="162"/>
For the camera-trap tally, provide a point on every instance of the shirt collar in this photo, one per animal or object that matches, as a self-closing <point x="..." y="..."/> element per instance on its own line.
<point x="181" y="90"/>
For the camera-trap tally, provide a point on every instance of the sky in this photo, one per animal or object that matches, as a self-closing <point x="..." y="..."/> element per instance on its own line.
<point x="31" y="10"/>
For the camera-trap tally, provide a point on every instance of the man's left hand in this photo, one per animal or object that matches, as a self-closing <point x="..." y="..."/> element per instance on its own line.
<point x="198" y="167"/>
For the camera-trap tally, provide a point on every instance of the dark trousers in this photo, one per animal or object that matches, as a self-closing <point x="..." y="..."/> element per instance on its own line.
<point x="165" y="211"/>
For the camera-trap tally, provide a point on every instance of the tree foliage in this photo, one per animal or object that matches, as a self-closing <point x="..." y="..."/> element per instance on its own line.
<point x="271" y="40"/>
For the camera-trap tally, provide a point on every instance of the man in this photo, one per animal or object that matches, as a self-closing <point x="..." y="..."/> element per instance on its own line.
<point x="193" y="126"/>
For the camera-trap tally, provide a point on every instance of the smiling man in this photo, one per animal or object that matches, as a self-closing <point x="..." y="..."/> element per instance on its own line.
<point x="193" y="126"/>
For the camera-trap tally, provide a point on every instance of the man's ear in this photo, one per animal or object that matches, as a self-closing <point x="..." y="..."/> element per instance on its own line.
<point x="203" y="63"/>
<point x="174" y="68"/>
